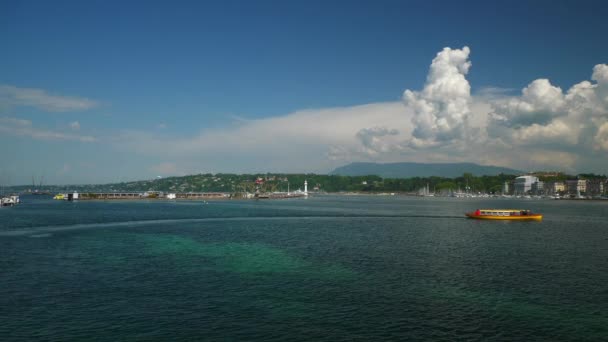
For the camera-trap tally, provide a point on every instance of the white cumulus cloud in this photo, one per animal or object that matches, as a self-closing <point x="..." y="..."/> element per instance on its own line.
<point x="539" y="104"/>
<point x="543" y="114"/>
<point x="601" y="138"/>
<point x="442" y="108"/>
<point x="374" y="139"/>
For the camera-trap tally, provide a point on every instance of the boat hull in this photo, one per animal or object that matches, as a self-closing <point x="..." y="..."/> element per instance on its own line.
<point x="533" y="217"/>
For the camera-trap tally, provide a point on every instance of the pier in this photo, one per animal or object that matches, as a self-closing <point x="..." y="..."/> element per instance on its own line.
<point x="151" y="195"/>
<point x="202" y="195"/>
<point x="260" y="193"/>
<point x="177" y="196"/>
<point x="110" y="196"/>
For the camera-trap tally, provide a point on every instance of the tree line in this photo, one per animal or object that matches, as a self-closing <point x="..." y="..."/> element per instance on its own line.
<point x="271" y="182"/>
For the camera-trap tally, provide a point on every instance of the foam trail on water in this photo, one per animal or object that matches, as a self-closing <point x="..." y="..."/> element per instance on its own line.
<point x="39" y="231"/>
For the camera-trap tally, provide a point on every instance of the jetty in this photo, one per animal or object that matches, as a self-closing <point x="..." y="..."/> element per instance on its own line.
<point x="259" y="193"/>
<point x="151" y="195"/>
<point x="106" y="196"/>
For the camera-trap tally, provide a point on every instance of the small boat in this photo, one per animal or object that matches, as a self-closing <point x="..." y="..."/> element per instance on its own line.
<point x="59" y="197"/>
<point x="9" y="201"/>
<point x="504" y="214"/>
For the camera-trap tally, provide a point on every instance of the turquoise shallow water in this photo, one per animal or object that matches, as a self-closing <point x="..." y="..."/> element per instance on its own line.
<point x="325" y="268"/>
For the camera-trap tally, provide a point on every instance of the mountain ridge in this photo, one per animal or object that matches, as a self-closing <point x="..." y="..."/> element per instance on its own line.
<point x="411" y="169"/>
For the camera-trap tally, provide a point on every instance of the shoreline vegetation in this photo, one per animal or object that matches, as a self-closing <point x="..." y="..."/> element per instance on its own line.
<point x="271" y="182"/>
<point x="280" y="182"/>
<point x="284" y="183"/>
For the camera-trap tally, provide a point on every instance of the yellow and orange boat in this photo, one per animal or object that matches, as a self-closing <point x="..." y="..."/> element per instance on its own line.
<point x="504" y="214"/>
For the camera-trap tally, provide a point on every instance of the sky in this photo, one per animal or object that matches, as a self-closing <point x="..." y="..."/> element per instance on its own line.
<point x="111" y="91"/>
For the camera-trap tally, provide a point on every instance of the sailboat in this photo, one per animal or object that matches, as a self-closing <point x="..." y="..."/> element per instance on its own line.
<point x="39" y="190"/>
<point x="425" y="191"/>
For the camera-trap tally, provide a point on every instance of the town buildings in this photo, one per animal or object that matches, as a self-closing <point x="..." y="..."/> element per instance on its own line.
<point x="596" y="187"/>
<point x="532" y="185"/>
<point x="523" y="184"/>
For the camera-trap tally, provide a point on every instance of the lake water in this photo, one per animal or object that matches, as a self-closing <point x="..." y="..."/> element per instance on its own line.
<point x="327" y="268"/>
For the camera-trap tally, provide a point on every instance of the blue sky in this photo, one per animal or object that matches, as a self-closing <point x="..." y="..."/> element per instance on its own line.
<point x="102" y="91"/>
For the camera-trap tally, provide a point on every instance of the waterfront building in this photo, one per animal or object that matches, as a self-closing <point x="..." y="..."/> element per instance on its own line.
<point x="523" y="184"/>
<point x="505" y="188"/>
<point x="552" y="188"/>
<point x="595" y="187"/>
<point x="538" y="188"/>
<point x="576" y="186"/>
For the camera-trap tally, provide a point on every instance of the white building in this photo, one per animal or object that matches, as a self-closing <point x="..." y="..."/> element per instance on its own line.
<point x="523" y="184"/>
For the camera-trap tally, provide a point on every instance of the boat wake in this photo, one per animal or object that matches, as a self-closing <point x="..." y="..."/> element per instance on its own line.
<point x="42" y="231"/>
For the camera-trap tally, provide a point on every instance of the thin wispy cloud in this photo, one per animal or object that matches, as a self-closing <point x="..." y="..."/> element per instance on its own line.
<point x="11" y="96"/>
<point x="15" y="122"/>
<point x="25" y="128"/>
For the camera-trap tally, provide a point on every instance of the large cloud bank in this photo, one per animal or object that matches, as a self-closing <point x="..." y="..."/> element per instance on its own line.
<point x="543" y="128"/>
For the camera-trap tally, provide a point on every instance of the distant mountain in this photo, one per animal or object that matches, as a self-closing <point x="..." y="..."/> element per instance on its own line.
<point x="408" y="170"/>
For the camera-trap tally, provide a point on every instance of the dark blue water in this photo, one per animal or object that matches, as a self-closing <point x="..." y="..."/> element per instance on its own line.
<point x="320" y="269"/>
